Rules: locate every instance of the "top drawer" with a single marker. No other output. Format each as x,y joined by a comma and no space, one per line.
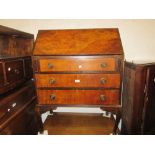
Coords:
77,64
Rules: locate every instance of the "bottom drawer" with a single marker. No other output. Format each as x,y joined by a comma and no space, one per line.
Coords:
86,97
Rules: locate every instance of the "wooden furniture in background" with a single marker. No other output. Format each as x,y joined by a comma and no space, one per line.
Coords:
15,43
17,93
17,111
14,72
138,108
78,68
15,58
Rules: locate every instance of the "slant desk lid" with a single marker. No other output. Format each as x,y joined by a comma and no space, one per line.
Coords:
78,42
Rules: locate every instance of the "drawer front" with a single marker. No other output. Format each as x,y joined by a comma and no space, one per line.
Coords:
14,70
13,102
85,97
22,124
28,68
1,75
77,64
78,80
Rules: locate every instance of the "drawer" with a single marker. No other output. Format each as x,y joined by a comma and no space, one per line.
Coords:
1,75
14,70
9,104
85,97
78,80
77,64
21,123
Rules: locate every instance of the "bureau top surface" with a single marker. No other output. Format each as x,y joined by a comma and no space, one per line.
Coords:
78,42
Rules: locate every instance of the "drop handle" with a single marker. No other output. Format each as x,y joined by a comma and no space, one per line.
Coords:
102,97
103,81
50,66
104,65
52,96
51,81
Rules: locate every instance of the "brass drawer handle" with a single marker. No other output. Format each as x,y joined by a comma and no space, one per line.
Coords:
51,81
102,97
104,65
103,81
52,97
50,66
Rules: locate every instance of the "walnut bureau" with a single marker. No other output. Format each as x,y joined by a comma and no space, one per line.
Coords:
78,67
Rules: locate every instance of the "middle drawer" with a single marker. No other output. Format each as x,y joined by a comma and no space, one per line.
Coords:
78,80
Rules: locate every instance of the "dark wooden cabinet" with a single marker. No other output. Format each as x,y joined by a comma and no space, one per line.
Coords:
17,111
15,58
1,75
78,68
14,43
17,91
14,72
138,105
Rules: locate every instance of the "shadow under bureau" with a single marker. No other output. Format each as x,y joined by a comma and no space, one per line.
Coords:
78,67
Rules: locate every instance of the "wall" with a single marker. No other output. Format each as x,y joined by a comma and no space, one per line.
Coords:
138,36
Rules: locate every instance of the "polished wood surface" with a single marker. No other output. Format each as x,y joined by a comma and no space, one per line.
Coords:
17,90
78,68
138,99
77,80
17,111
1,75
15,43
28,68
87,97
149,105
14,101
77,64
14,32
15,71
78,124
78,42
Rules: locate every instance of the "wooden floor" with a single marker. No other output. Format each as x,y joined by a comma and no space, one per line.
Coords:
78,124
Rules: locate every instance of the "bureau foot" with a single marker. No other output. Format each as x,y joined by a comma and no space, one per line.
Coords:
39,120
118,118
40,109
115,111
